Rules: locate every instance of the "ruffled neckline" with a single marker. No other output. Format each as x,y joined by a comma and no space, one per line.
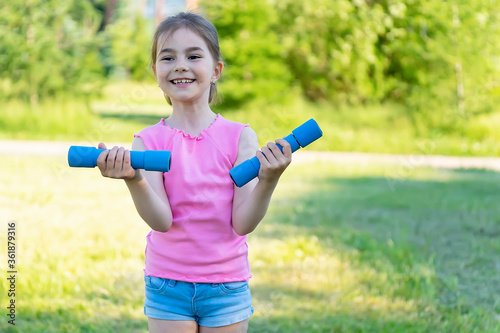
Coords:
187,135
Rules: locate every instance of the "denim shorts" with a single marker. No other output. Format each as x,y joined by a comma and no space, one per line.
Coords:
209,304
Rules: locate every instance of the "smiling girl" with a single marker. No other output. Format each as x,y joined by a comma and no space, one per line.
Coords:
196,269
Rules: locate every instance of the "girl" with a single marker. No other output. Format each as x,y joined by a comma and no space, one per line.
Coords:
197,268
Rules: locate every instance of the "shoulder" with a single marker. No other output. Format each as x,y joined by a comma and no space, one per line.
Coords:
248,136
138,144
247,145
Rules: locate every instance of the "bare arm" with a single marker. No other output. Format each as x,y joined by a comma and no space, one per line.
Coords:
146,187
251,201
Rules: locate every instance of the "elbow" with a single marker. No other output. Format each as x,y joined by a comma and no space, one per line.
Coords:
160,222
162,227
241,231
243,225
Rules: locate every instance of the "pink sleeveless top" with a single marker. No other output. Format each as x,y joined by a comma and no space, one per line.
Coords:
201,245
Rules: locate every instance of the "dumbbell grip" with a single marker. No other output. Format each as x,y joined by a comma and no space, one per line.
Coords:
300,137
150,160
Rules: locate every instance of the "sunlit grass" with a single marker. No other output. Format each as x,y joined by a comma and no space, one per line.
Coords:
339,251
127,107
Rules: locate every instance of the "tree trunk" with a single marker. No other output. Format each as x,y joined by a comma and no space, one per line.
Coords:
109,11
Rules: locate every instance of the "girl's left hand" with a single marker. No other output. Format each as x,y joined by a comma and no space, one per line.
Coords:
273,161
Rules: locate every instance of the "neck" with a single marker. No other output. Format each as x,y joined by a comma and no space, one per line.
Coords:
192,118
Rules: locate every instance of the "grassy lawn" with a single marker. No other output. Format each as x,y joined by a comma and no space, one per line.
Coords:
128,107
344,248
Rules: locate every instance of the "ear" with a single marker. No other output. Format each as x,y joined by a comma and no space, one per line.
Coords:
153,67
219,66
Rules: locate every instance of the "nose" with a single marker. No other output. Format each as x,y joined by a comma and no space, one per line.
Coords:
181,66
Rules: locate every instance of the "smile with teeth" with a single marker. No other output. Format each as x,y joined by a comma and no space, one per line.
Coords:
180,81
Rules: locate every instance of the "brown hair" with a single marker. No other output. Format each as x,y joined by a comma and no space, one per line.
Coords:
198,25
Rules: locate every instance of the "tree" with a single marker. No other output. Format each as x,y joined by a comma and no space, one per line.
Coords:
130,42
438,58
252,50
48,47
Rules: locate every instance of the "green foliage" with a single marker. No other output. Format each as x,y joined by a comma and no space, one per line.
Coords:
330,47
49,119
252,50
49,47
130,39
442,59
435,57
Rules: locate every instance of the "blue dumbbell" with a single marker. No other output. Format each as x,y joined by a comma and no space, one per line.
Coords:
150,160
300,137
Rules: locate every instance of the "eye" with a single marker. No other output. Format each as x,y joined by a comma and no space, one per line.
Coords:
167,58
194,57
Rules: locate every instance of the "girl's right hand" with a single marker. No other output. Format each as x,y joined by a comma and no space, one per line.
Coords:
115,163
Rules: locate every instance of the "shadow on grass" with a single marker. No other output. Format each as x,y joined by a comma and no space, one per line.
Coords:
303,318
449,226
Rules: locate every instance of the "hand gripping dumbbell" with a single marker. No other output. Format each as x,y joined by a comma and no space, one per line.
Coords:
150,160
300,137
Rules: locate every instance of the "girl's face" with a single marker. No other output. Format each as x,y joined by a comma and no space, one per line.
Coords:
184,67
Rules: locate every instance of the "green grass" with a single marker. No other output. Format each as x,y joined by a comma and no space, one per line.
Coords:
127,107
344,248
125,110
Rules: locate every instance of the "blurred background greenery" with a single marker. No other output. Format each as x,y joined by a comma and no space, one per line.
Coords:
382,76
349,247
